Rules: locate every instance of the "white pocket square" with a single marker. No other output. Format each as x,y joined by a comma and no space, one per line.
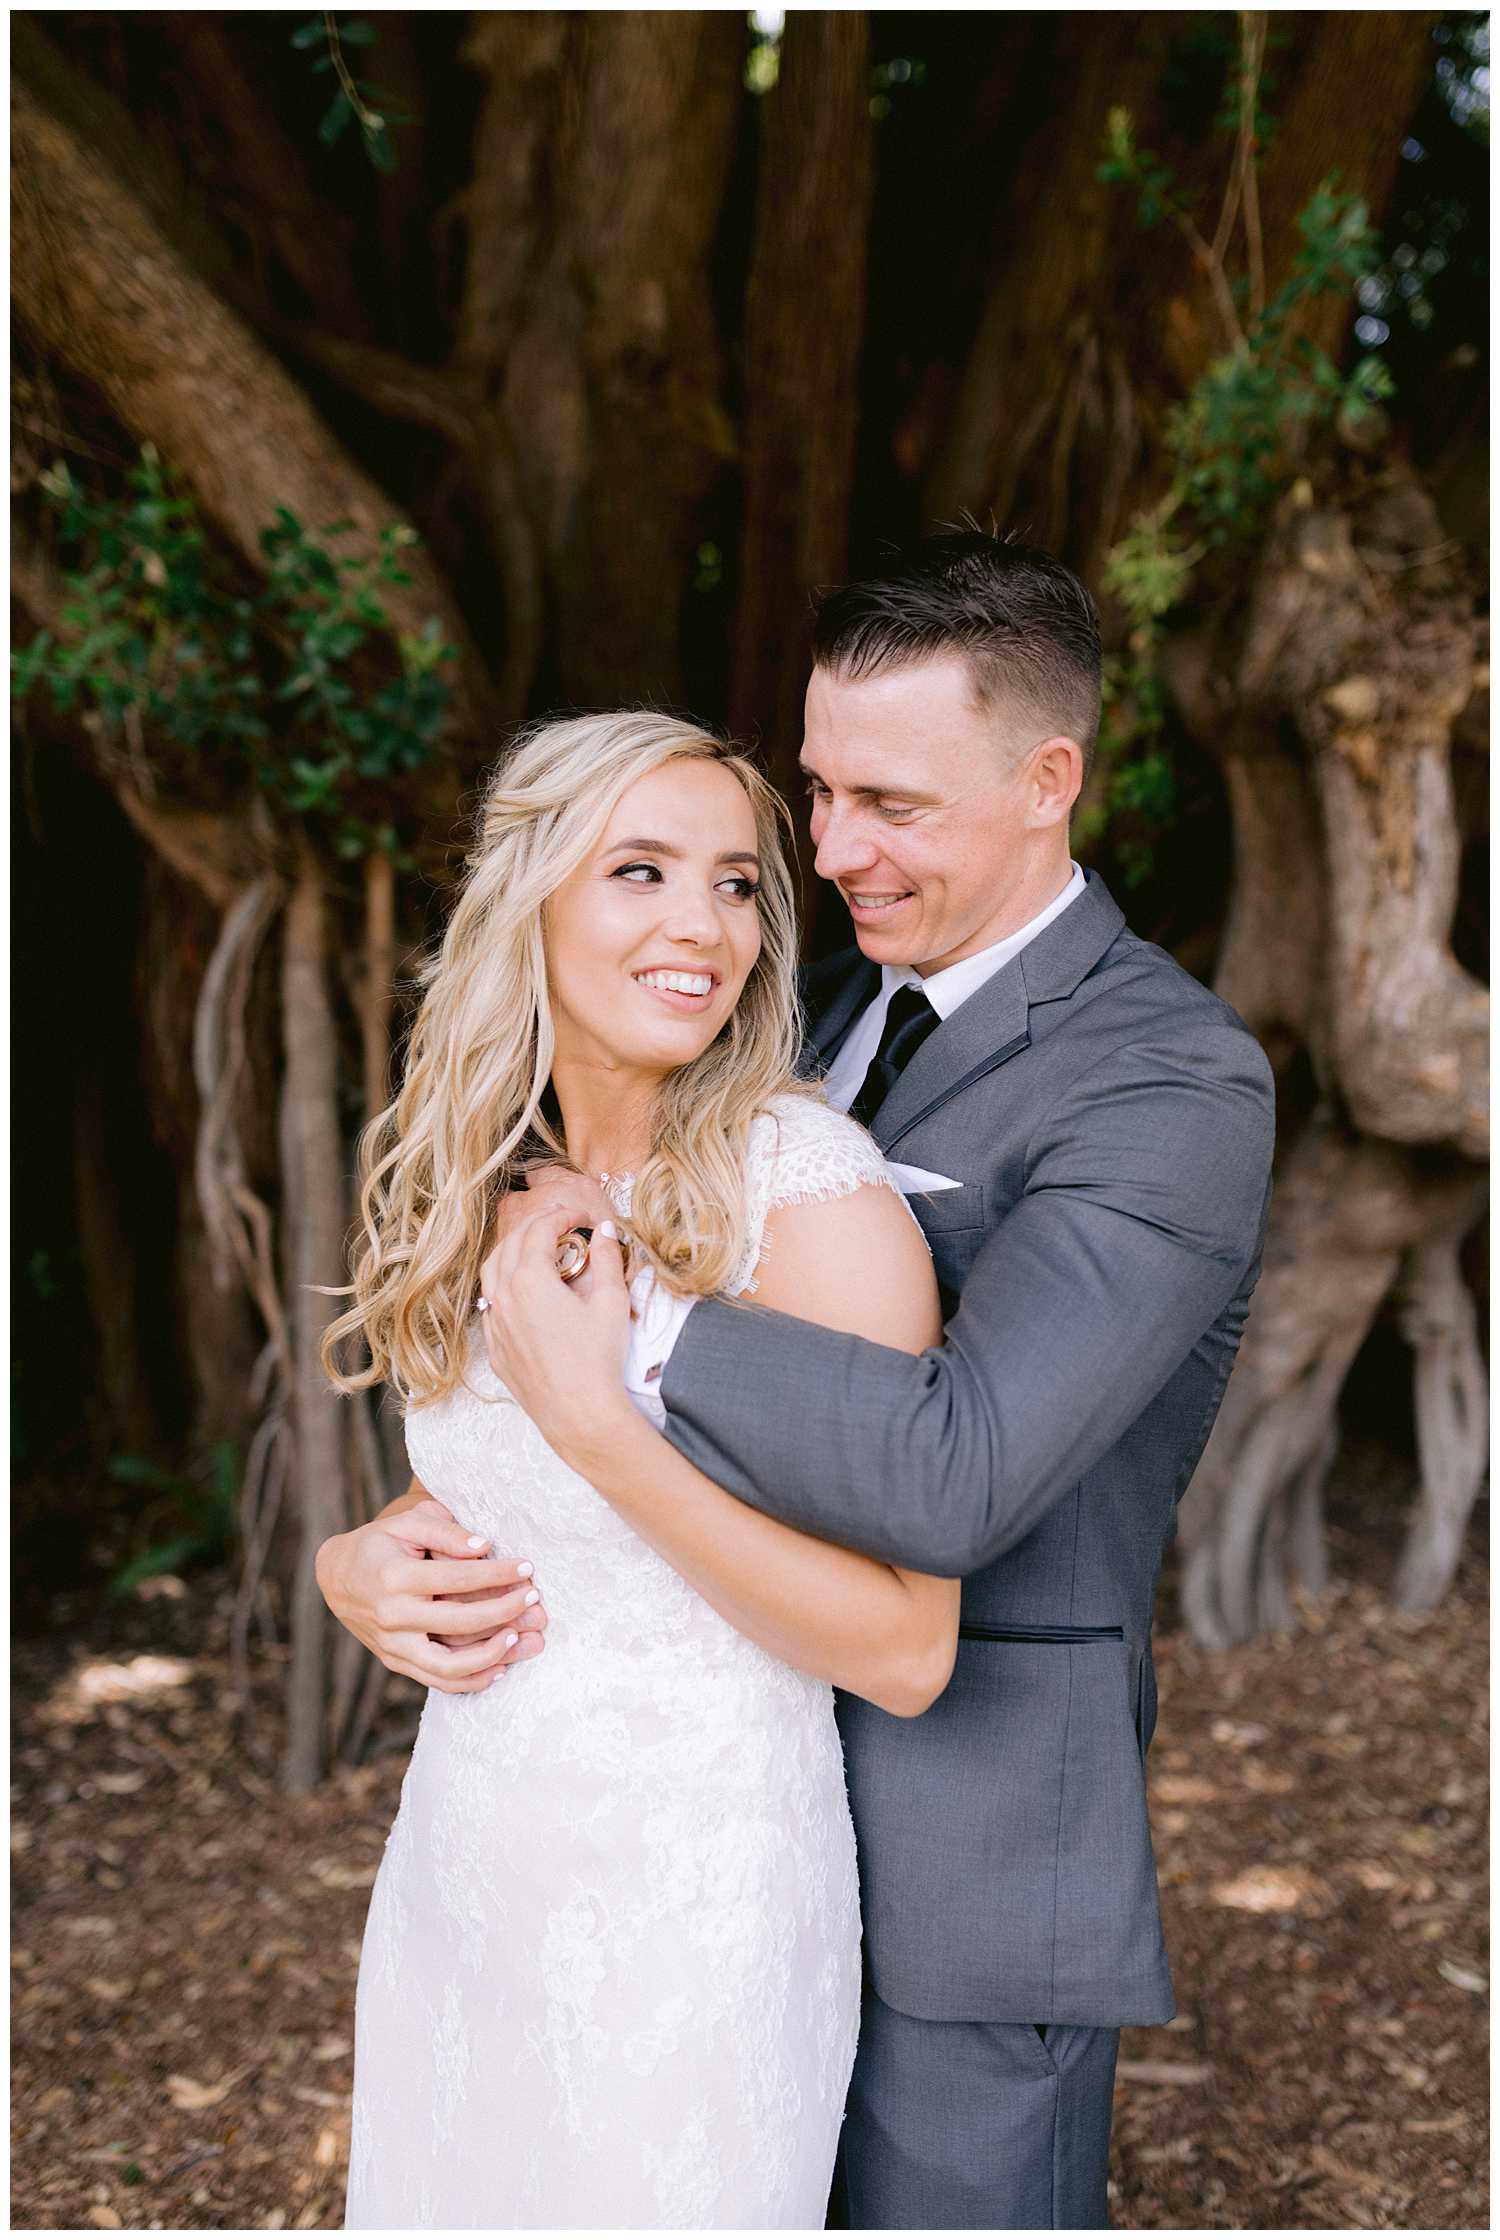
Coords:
912,1179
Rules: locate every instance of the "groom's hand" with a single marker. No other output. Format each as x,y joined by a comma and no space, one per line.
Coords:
559,1348
422,1599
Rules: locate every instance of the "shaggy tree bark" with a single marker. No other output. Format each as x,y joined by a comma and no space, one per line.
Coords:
1348,1211
584,393
1355,657
300,1438
1439,1323
1091,326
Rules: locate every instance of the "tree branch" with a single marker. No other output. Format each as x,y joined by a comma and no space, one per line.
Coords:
387,382
102,288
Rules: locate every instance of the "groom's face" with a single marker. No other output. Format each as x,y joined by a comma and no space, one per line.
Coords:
921,810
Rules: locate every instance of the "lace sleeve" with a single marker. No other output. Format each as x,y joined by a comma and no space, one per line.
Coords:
802,1150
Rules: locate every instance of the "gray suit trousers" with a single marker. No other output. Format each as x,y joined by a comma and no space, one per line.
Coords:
976,2126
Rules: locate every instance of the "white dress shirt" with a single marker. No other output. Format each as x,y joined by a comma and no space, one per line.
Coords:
944,990
658,1313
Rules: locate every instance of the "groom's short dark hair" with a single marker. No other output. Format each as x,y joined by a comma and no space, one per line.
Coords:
1024,624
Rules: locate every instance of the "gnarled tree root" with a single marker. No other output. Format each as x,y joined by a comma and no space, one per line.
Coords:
1438,1321
1348,1212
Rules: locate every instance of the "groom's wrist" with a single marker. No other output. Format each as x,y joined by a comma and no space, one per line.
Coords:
600,1435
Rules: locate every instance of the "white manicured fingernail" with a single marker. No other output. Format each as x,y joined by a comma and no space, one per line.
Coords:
525,1570
608,1229
511,1639
474,1541
530,1599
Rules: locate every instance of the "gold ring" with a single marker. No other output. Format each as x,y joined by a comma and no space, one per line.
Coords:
573,1254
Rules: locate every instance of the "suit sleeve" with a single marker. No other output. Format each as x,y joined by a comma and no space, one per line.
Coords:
1140,1221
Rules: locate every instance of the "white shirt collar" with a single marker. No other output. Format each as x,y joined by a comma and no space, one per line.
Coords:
947,989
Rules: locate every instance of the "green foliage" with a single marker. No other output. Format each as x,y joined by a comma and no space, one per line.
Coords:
1124,164
1463,71
763,55
203,1515
1232,444
329,612
141,619
355,100
305,689
39,1269
890,81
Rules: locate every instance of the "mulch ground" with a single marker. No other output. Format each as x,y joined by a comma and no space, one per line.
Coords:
187,1937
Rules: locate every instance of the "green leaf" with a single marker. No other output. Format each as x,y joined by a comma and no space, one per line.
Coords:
138,1470
310,34
336,117
165,1557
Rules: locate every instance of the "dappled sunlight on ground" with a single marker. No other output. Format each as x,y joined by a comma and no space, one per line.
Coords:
187,1937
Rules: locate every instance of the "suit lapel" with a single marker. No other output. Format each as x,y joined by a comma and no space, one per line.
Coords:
993,1026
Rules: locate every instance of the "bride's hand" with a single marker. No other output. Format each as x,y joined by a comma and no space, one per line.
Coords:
559,1348
576,1200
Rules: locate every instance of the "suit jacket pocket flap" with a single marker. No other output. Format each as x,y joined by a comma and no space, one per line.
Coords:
965,1208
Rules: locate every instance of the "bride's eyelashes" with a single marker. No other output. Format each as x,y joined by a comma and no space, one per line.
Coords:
748,889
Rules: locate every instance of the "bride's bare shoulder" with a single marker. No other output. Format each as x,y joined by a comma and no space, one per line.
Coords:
840,1246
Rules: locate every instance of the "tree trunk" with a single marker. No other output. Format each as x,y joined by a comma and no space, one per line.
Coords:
1045,429
587,320
1438,1322
1093,327
1332,698
376,980
811,221
585,390
313,1227
1346,1210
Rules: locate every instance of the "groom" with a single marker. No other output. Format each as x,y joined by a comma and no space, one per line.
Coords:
1086,1134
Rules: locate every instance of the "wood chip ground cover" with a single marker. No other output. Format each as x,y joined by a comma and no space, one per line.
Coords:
187,1938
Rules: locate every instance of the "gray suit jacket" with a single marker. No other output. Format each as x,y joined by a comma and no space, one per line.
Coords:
1111,1124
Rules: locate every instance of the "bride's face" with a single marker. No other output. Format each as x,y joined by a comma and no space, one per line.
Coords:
651,939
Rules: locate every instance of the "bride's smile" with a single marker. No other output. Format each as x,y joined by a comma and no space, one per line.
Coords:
651,940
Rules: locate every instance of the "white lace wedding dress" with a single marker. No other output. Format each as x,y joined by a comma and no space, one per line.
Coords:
610,1974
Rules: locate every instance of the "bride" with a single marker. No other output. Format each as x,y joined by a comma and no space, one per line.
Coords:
610,1974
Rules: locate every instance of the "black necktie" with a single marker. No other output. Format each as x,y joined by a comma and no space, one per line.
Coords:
909,1020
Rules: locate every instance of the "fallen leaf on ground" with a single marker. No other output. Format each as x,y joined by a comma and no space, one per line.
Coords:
336,1877
1362,2181
186,2092
1175,2150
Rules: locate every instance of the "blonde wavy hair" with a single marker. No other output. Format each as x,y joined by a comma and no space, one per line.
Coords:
469,1116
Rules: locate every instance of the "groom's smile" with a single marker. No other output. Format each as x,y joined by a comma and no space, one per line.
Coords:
940,820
